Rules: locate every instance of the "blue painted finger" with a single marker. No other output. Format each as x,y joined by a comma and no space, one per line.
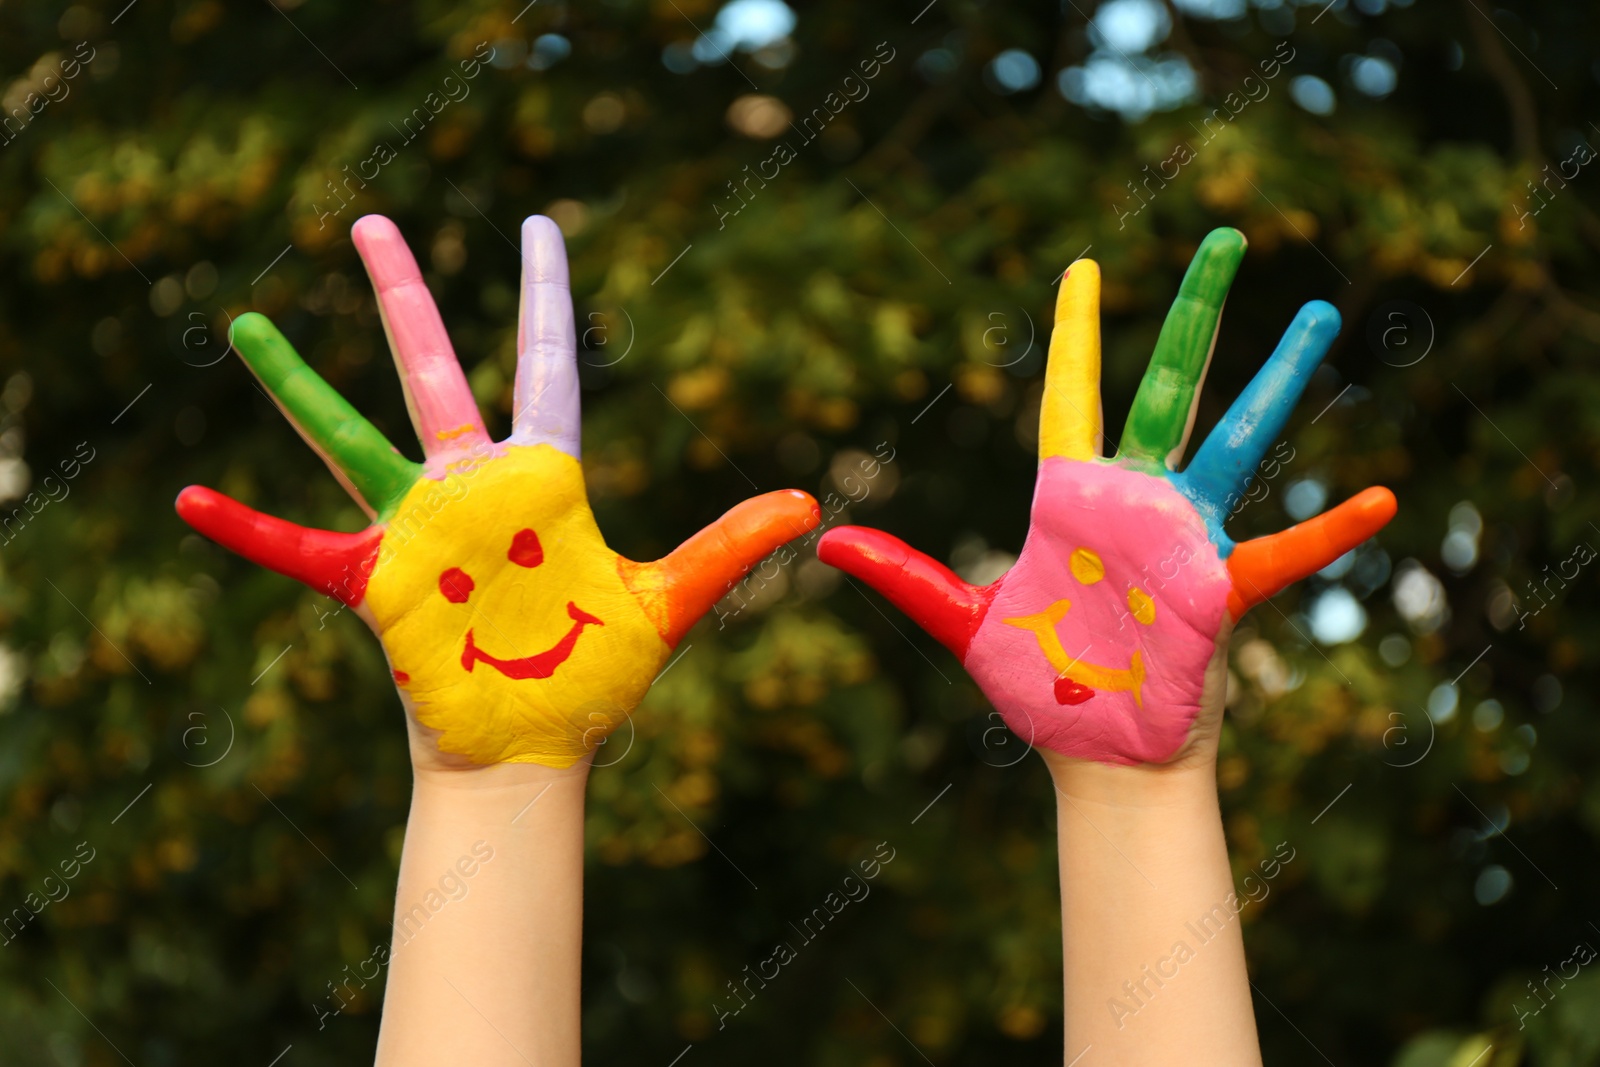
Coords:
1222,469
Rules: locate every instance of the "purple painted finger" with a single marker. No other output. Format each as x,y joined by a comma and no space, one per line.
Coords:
442,407
546,393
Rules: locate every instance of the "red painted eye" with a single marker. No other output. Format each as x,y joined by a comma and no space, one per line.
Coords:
456,585
525,549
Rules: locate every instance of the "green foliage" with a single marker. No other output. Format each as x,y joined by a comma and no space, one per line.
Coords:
190,174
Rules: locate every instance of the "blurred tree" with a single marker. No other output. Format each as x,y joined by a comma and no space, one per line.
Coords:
811,247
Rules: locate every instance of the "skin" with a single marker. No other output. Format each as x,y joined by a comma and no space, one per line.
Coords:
517,639
1142,858
494,977
1105,647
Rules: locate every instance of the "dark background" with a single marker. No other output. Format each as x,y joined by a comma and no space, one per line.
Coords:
881,290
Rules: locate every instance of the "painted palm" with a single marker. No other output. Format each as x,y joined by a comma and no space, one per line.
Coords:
1096,643
514,633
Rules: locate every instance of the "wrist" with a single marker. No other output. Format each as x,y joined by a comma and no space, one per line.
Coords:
1186,783
495,788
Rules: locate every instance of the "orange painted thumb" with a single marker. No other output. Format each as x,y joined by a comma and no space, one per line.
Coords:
680,588
1265,565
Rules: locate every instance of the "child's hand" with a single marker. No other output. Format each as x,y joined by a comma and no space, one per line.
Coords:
514,633
1097,643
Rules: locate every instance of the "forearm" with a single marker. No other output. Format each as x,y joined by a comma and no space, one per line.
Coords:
485,965
1154,960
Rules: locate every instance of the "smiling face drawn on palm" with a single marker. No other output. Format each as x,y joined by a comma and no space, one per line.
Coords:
1098,637
1095,643
510,603
506,618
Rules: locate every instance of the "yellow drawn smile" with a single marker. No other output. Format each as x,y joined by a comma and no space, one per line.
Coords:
1077,681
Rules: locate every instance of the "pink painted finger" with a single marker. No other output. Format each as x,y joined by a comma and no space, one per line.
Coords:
442,408
546,393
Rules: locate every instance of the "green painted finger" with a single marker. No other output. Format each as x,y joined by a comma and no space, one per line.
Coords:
1159,422
358,454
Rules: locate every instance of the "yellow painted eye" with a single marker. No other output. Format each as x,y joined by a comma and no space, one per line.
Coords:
1142,606
1086,566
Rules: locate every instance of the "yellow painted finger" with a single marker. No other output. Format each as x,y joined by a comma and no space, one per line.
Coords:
1069,418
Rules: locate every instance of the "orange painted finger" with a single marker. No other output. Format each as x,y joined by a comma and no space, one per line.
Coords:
681,587
1262,567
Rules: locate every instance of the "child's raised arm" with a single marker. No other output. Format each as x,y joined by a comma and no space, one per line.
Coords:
518,641
1105,646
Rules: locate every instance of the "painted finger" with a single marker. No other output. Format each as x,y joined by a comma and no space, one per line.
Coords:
1163,409
359,456
679,588
337,564
1227,459
442,408
1069,416
546,393
931,594
1262,567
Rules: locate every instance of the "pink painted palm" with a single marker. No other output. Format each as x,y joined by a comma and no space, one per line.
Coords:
1104,641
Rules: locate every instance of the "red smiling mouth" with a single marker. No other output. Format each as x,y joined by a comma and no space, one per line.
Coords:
542,665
